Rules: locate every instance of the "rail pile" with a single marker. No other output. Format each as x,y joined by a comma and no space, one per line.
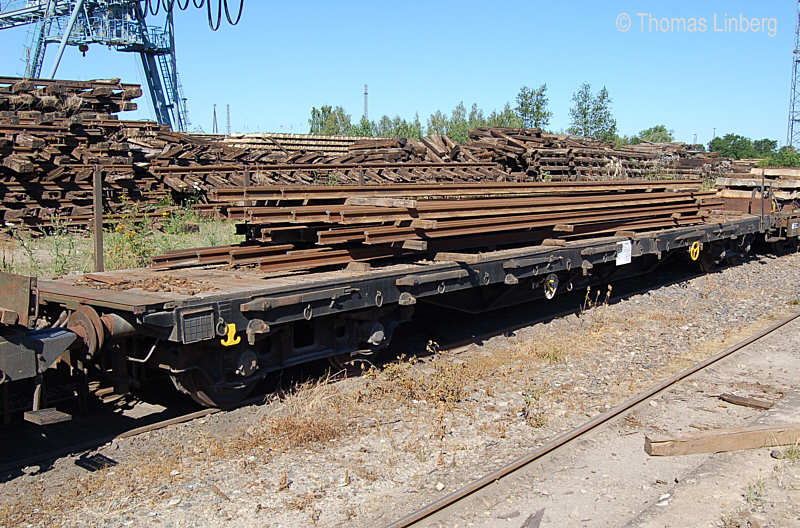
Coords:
370,161
288,143
305,227
531,154
743,191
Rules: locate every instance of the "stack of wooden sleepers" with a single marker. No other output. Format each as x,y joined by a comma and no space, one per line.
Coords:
366,161
53,135
305,227
743,191
531,154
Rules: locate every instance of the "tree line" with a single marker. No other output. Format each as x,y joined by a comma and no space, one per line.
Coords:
590,116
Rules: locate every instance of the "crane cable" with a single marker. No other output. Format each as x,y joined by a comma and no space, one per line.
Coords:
153,7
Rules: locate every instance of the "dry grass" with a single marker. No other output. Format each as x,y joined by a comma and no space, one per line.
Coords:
443,379
101,494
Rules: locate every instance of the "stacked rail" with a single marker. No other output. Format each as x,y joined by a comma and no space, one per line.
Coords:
534,154
305,227
289,143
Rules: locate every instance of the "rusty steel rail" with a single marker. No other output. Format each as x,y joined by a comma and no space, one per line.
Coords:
325,192
565,438
256,167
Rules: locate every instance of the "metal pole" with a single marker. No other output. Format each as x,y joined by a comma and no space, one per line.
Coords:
34,66
97,196
67,31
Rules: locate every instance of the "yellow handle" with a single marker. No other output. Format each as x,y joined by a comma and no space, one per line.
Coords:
231,338
694,250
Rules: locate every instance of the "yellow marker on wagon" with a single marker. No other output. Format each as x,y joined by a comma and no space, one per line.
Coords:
694,250
231,338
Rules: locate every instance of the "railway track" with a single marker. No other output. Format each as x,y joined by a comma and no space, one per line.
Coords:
442,505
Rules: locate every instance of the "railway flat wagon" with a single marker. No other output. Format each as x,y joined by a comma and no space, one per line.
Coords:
217,330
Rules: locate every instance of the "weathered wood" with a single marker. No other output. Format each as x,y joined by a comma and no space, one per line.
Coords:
745,402
554,242
416,245
776,172
467,258
720,440
46,416
756,183
382,202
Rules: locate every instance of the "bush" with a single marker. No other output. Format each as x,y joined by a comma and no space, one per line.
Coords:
785,157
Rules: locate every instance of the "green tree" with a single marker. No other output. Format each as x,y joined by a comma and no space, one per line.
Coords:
532,107
508,117
590,115
654,134
365,127
458,126
732,146
476,118
785,157
398,127
329,121
581,112
764,148
437,123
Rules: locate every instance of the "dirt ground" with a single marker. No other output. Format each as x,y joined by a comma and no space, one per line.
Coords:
607,479
367,450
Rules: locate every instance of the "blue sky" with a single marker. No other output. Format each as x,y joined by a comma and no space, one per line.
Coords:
285,57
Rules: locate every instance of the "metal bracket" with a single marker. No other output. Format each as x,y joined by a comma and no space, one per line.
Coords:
416,280
262,304
528,262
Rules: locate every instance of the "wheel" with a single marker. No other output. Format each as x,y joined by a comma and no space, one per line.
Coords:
206,393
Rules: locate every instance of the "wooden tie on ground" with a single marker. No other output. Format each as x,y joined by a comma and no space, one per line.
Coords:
717,441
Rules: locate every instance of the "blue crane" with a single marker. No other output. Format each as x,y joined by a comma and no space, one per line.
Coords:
118,24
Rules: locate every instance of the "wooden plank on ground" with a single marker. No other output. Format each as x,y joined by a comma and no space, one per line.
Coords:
720,440
745,402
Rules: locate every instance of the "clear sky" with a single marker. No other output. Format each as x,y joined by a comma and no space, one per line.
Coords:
285,57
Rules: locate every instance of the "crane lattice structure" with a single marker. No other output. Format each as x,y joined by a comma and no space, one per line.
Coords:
793,135
120,25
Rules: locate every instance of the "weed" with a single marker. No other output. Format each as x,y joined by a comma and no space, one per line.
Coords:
533,415
301,502
283,484
592,306
26,243
6,257
446,380
64,247
550,353
791,453
754,494
130,244
794,302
